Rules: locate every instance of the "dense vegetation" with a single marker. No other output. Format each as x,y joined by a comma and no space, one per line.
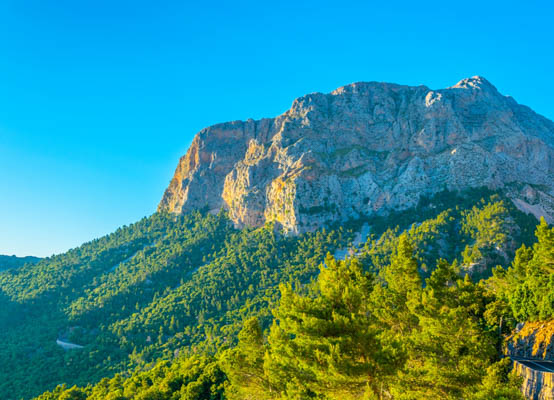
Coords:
151,290
525,291
8,262
191,308
380,336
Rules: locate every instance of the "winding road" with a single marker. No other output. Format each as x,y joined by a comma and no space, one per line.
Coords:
537,365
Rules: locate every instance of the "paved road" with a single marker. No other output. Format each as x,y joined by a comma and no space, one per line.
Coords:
67,345
543,366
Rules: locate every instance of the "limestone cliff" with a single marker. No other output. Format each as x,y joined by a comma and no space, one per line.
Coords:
367,148
536,385
533,340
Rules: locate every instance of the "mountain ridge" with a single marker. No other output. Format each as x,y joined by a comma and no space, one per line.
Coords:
7,262
366,148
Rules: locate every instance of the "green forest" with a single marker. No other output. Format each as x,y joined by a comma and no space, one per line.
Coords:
188,307
9,262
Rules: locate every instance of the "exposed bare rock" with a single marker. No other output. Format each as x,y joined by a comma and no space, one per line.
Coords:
537,385
367,148
533,340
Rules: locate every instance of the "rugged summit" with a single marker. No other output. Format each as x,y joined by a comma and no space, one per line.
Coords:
366,148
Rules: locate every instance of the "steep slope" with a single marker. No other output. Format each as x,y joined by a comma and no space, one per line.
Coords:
367,148
146,291
175,285
203,305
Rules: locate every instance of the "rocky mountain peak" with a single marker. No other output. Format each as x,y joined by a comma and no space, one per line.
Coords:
475,82
364,148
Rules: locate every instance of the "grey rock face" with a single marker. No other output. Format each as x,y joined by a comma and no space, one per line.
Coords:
367,148
537,385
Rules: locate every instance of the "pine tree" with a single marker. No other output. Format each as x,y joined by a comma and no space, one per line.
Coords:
499,383
243,364
529,283
329,346
400,280
449,349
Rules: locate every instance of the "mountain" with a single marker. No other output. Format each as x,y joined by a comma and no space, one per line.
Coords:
7,262
376,241
170,286
167,308
364,149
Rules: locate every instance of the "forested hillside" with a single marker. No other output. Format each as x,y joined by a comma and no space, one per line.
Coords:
173,293
146,291
7,262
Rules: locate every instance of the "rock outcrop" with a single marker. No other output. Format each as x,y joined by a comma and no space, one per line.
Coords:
532,340
367,148
536,385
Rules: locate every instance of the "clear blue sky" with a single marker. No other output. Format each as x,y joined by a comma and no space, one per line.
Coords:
98,99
